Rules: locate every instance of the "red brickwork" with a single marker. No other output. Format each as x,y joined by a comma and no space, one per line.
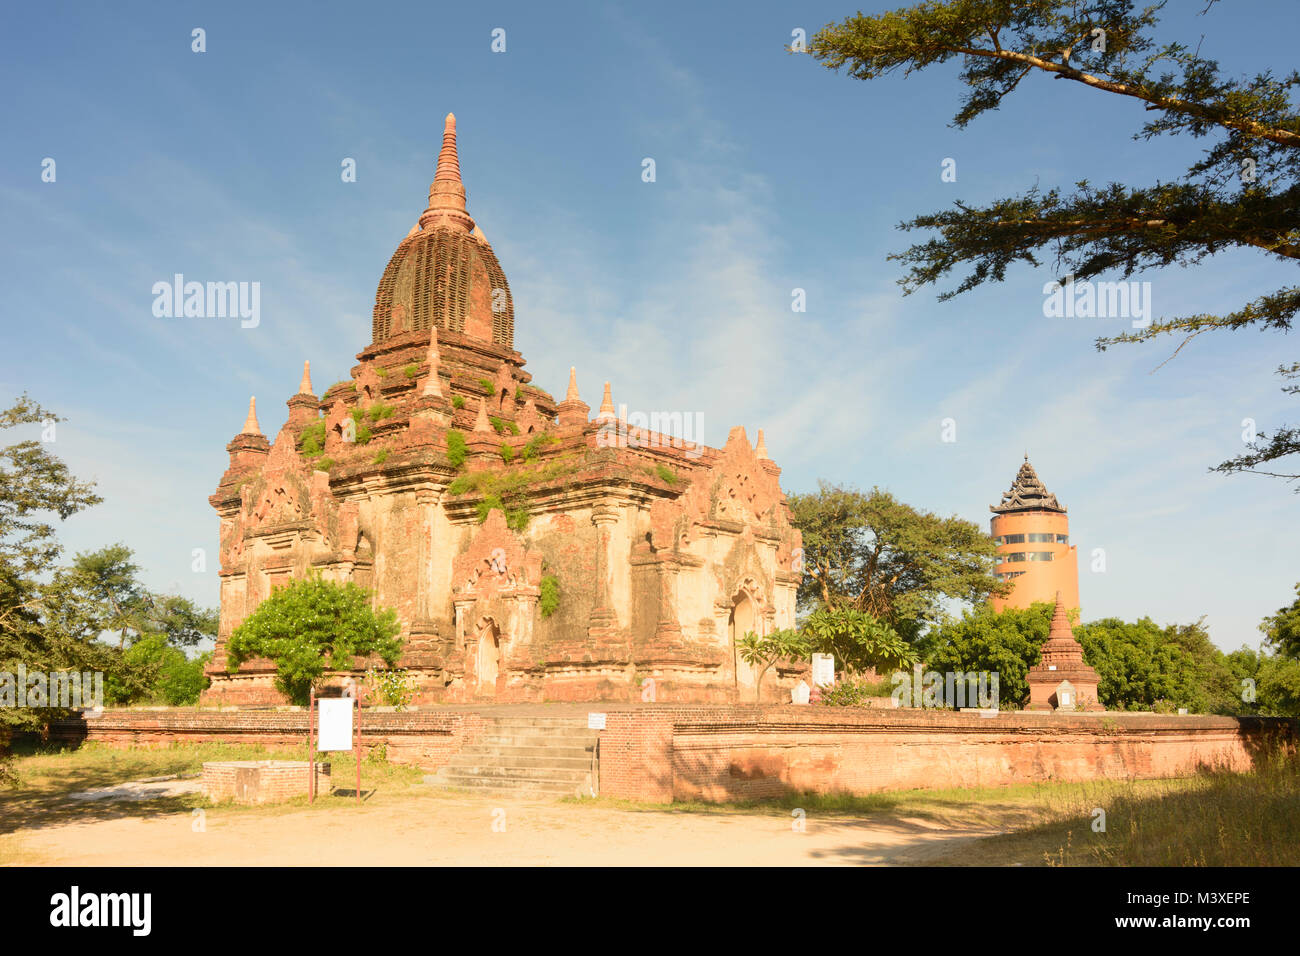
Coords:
261,781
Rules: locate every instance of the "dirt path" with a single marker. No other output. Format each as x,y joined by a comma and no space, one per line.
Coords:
438,829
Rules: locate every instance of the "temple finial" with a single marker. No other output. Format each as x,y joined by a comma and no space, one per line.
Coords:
250,424
304,387
760,450
572,394
606,405
446,192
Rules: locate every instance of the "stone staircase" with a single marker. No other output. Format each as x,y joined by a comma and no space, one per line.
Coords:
526,756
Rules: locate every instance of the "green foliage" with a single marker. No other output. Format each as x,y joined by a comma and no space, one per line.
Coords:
507,453
395,687
857,640
536,444
363,432
503,425
1006,643
519,393
346,383
875,554
310,626
765,652
157,672
380,410
856,692
381,372
666,474
1252,122
487,386
411,371
1282,630
324,464
508,490
311,441
549,602
457,402
380,457
456,448
1272,680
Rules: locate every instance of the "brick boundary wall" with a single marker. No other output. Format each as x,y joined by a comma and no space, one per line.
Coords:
261,781
661,753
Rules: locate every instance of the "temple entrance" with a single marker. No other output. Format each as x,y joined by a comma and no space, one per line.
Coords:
744,618
488,665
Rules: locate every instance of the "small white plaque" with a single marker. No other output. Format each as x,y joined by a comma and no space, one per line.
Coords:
335,727
823,670
595,721
800,694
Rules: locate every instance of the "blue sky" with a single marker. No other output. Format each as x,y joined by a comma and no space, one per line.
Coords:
772,174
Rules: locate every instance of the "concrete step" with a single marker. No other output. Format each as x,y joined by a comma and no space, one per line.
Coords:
565,774
488,751
537,740
463,759
512,786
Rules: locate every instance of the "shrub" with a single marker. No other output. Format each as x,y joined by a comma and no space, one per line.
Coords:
457,402
311,443
456,448
549,601
502,425
395,688
487,386
411,371
507,453
311,626
854,692
381,456
667,474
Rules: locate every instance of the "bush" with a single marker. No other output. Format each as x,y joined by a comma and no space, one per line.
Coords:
549,602
855,692
456,448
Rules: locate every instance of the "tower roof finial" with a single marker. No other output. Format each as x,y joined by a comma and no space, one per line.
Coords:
572,394
447,192
304,388
606,404
250,423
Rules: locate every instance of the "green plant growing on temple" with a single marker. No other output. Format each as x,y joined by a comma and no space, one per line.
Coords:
535,444
311,626
666,474
311,442
395,687
411,371
363,432
503,425
549,601
764,653
456,448
380,410
507,453
487,386
458,402
381,456
381,372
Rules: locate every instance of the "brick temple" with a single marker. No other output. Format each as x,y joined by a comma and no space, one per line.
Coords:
531,550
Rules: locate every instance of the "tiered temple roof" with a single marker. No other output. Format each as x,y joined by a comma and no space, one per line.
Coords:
1027,493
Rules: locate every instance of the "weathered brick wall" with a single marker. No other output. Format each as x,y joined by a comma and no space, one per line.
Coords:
717,754
424,739
660,752
261,781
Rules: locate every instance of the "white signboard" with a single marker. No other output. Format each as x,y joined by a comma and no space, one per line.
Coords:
800,694
335,730
823,670
595,721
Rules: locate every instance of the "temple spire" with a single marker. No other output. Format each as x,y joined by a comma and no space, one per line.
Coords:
304,387
250,424
481,423
760,450
572,394
606,404
446,192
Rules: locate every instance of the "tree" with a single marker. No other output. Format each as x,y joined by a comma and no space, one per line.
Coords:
1282,630
155,671
1244,192
1005,643
36,485
877,555
312,625
784,644
856,640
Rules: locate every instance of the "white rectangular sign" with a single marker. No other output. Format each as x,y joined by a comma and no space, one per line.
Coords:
823,670
335,728
595,721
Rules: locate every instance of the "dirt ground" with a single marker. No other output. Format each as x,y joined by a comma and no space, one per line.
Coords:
438,828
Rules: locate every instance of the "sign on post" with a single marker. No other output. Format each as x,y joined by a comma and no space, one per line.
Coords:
595,721
335,723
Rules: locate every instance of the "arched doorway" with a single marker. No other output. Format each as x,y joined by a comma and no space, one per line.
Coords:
488,664
743,618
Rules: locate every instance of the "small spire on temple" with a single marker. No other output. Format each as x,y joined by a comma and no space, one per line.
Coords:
250,424
606,404
304,387
572,394
481,424
760,450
